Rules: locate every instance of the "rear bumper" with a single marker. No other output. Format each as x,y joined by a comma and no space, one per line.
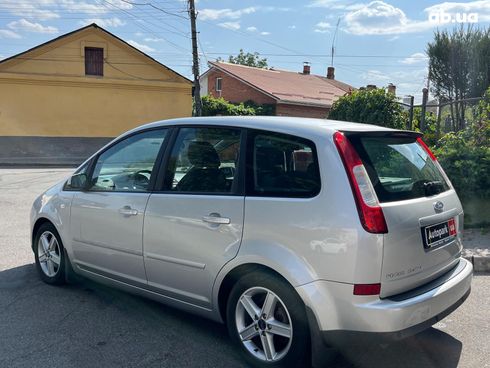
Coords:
335,314
341,337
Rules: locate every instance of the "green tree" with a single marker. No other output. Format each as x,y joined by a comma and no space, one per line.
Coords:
249,59
459,67
374,106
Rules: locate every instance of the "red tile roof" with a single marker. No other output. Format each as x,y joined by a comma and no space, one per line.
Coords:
286,86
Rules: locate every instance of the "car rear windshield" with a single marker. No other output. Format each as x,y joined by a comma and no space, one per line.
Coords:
399,168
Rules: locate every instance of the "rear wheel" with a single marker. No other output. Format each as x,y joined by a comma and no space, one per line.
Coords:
49,254
267,319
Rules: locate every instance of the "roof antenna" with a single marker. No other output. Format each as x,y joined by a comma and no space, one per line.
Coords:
333,41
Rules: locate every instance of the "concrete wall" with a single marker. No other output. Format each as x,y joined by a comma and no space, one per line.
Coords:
46,94
59,151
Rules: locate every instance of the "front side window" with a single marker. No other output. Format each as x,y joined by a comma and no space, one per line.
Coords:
282,166
218,84
204,160
129,164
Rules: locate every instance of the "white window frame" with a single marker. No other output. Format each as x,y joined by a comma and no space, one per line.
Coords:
219,81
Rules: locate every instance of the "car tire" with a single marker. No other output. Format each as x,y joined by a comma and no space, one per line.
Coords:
50,255
278,337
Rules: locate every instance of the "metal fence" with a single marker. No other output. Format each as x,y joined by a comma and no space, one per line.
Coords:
449,115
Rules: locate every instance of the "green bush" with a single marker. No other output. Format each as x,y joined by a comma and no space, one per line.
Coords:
465,157
374,106
430,131
219,106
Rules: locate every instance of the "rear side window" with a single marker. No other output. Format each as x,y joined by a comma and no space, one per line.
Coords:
204,160
399,168
281,165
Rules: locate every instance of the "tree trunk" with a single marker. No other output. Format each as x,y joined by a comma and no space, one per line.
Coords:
453,121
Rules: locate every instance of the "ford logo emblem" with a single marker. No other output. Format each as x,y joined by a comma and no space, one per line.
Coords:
438,206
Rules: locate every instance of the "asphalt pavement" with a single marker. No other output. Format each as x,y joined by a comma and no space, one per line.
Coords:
90,325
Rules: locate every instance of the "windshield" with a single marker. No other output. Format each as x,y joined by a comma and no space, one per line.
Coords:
399,168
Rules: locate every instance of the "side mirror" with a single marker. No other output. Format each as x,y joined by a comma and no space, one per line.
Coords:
77,181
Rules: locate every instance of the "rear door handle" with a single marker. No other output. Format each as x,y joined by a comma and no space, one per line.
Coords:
128,211
215,218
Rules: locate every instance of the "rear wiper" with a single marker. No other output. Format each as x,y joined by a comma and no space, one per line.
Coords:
433,187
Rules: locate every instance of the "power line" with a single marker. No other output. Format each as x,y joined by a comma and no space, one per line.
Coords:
144,28
157,8
323,55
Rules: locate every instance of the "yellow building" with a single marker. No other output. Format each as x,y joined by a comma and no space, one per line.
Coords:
63,99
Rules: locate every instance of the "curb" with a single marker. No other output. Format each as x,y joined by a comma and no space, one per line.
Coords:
479,257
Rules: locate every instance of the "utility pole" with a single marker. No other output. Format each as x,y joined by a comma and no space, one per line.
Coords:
195,60
425,98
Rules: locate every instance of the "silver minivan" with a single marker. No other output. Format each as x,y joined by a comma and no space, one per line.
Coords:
297,233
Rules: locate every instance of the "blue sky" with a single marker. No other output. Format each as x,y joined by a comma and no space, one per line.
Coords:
378,42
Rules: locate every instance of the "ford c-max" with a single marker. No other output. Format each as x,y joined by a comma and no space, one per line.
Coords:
294,232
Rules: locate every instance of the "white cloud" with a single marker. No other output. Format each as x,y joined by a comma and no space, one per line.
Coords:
215,14
30,9
94,8
140,46
378,18
265,33
406,81
394,38
416,58
292,26
375,77
230,25
323,27
6,33
104,22
153,39
322,3
252,29
334,5
26,26
481,8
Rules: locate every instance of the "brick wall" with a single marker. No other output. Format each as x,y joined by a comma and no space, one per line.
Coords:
302,111
234,90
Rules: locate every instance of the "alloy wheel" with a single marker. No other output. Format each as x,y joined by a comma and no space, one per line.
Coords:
263,324
49,253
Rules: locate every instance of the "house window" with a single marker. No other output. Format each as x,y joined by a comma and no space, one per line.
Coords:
218,84
94,61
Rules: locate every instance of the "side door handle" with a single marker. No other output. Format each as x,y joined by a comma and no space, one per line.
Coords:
215,218
128,211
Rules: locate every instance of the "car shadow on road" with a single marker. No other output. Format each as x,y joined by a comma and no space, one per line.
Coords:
88,324
431,348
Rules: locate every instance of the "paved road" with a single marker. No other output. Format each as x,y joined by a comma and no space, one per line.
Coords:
88,325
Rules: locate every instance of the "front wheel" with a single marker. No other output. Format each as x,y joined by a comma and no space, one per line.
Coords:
267,319
49,254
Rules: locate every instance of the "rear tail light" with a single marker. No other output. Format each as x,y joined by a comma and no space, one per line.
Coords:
370,212
434,159
367,289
